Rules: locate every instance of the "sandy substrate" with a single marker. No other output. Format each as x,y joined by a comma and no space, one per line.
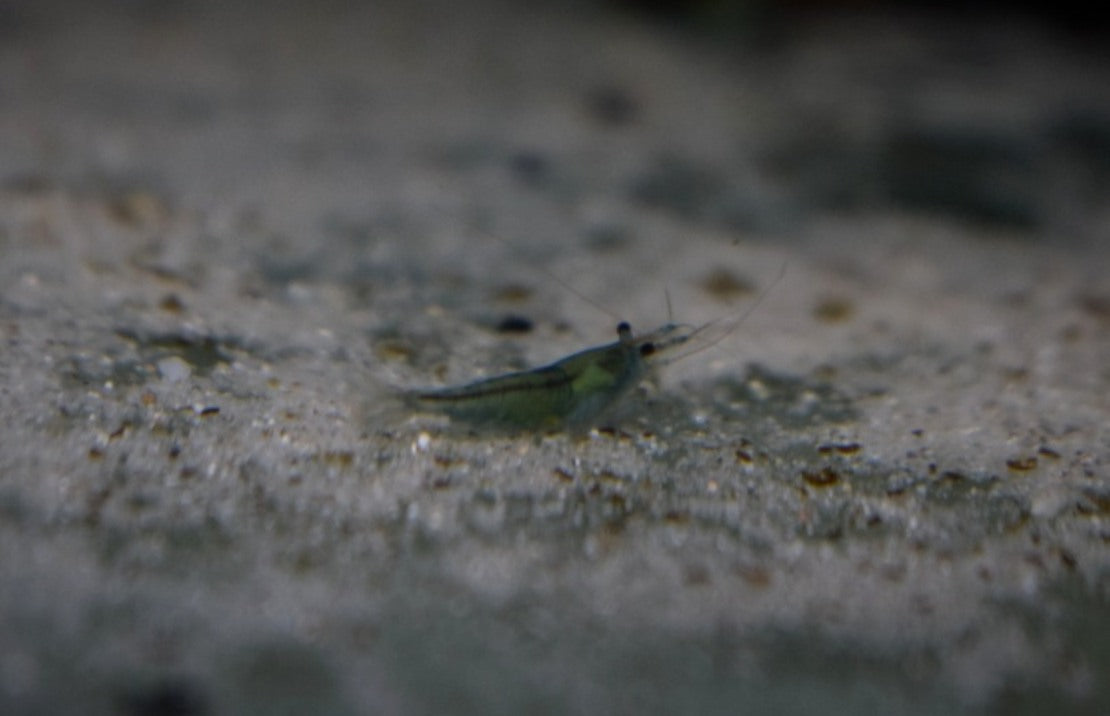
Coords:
230,233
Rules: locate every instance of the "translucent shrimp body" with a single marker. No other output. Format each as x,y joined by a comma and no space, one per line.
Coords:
569,393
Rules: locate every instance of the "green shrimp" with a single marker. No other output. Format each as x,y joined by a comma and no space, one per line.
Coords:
573,392
569,393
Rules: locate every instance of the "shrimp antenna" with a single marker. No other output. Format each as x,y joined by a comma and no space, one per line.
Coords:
551,276
731,327
548,274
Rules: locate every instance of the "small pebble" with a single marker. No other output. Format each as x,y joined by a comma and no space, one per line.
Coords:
174,369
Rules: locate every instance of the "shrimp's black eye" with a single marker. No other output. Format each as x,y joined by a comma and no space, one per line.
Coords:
647,349
623,327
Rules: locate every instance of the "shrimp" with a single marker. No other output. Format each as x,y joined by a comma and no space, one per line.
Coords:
571,392
574,391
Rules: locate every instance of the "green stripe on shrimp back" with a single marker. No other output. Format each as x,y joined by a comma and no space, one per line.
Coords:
568,393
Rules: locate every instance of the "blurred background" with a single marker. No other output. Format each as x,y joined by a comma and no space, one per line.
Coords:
231,229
